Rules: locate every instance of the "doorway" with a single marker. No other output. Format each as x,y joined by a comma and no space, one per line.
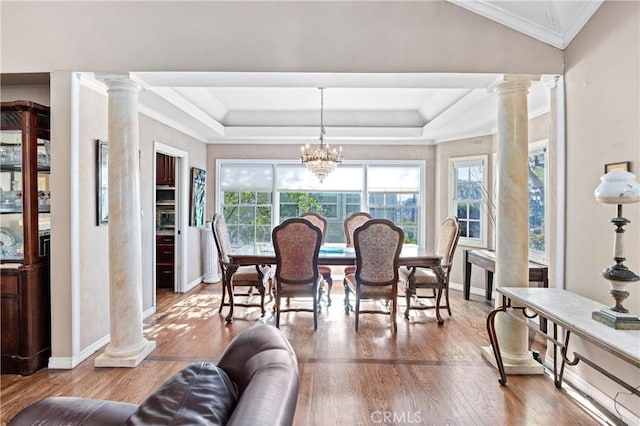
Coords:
170,201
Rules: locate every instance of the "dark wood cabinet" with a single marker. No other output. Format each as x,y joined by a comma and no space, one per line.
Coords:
165,253
165,169
25,300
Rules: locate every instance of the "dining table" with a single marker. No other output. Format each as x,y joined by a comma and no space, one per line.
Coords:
261,254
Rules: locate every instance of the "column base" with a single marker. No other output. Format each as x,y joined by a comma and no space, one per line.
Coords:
105,360
531,367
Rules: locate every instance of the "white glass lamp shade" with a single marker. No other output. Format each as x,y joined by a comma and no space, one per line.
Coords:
618,188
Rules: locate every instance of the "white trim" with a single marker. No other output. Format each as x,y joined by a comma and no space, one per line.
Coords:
193,283
147,313
74,220
560,189
68,363
484,218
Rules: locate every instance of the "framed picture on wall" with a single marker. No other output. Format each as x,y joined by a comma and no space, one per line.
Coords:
196,218
102,182
614,167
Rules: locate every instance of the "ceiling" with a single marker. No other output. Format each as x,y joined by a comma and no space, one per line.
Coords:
368,108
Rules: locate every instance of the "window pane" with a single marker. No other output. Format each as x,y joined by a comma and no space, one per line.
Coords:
537,201
461,211
376,199
247,215
474,211
247,198
263,234
287,211
246,234
230,214
463,228
263,198
231,197
474,229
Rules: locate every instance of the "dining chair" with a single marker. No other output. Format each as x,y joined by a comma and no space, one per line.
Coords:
377,243
350,224
426,278
296,242
248,277
325,271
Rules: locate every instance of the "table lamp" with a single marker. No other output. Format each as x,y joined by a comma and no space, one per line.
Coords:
618,187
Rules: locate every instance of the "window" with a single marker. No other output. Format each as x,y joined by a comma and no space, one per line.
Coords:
470,198
255,197
537,200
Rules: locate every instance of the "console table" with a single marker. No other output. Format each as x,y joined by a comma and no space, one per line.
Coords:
486,259
572,313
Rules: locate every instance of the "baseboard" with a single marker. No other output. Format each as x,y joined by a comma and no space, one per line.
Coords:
473,290
599,401
194,283
67,363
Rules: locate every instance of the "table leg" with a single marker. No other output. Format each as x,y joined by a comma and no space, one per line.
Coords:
489,284
467,276
493,339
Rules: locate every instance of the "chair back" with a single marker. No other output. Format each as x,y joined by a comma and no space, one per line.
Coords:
378,243
318,220
352,222
449,235
296,243
221,237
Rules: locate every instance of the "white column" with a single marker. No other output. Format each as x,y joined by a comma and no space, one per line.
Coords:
128,347
512,239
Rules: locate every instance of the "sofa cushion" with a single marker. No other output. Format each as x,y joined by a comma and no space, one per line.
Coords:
199,394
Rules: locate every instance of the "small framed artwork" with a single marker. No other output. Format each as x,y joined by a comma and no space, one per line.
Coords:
196,218
102,182
622,166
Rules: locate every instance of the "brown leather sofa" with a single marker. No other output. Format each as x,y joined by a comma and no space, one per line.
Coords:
254,383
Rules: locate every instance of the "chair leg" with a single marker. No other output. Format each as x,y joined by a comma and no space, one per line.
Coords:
277,308
407,293
315,311
394,308
224,292
346,298
446,295
329,281
357,310
261,289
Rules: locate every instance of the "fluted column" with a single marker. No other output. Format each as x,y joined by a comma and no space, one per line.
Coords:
128,347
512,236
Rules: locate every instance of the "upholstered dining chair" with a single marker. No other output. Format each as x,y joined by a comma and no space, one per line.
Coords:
377,243
247,277
350,224
296,242
426,278
325,271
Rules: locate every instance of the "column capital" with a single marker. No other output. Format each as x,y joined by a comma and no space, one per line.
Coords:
507,83
121,82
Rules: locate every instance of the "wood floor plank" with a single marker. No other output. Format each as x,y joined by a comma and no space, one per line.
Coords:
423,374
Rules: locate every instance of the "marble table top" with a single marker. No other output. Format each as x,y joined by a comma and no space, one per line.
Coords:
573,312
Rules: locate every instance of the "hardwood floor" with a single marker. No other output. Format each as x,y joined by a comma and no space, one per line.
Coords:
425,374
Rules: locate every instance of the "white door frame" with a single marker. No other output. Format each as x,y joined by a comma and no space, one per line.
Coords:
182,213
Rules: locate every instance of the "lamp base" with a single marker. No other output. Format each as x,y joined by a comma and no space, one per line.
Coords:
617,320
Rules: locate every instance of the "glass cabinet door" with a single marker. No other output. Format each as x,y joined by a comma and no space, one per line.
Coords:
11,199
44,196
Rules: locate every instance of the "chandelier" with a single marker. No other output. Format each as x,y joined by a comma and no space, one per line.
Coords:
321,161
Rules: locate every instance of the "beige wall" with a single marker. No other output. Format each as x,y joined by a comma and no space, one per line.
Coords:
418,36
603,126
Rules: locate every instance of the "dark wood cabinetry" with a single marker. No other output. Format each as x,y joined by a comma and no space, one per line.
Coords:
165,253
25,301
165,169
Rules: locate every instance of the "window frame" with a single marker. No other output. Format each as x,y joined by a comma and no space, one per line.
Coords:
484,205
275,198
534,147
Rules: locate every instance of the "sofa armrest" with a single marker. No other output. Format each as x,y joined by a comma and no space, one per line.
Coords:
263,366
62,410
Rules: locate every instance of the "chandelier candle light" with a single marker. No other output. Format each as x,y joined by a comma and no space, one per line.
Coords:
323,160
618,187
